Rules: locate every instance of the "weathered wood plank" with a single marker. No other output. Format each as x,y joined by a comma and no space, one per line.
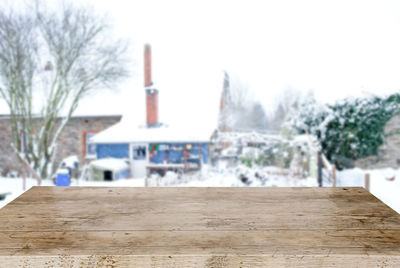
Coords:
193,193
198,227
190,222
192,261
155,242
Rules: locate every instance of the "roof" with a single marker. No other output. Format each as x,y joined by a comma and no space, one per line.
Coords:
124,132
193,113
110,164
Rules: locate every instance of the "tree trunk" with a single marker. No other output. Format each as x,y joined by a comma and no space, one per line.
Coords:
33,172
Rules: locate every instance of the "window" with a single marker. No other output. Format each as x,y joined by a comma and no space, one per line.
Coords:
139,152
88,149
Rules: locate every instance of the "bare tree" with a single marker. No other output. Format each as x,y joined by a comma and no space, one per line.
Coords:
48,61
241,111
241,94
287,102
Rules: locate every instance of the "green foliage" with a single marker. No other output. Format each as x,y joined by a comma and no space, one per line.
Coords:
261,160
247,160
274,153
350,129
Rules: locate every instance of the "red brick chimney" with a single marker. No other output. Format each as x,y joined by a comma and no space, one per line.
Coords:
151,93
147,66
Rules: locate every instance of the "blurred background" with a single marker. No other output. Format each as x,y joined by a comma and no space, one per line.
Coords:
200,93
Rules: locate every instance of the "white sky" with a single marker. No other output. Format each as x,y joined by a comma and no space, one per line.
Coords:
337,48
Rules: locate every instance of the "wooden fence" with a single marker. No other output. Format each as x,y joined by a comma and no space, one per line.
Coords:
332,171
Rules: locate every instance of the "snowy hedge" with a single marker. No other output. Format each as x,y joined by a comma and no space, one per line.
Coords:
349,129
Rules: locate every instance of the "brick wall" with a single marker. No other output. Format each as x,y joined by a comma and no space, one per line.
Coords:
71,141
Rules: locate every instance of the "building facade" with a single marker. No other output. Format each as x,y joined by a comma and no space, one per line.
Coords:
73,140
154,146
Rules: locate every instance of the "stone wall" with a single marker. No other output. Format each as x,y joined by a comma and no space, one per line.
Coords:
389,155
71,141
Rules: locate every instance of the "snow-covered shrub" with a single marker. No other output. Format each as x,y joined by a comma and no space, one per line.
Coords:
274,152
258,150
277,153
248,159
304,159
261,159
349,129
280,152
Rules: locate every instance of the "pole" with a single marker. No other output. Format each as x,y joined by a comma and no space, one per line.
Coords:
319,169
334,176
24,177
367,181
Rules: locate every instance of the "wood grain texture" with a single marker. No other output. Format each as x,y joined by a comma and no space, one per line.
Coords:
198,227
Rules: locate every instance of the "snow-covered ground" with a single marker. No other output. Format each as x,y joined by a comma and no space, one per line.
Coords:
381,186
384,183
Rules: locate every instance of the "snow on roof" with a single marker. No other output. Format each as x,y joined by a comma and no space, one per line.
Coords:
125,132
192,111
110,164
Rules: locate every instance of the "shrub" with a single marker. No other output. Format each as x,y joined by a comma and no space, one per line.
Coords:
350,129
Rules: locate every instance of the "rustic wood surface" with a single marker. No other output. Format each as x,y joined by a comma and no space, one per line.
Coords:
198,227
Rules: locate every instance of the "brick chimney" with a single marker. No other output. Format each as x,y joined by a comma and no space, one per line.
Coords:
151,93
147,66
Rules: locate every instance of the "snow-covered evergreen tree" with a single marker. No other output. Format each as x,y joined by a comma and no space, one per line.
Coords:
350,129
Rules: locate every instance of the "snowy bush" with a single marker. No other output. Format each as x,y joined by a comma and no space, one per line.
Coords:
247,159
257,150
274,152
349,129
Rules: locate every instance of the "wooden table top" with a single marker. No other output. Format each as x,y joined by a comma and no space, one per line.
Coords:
198,227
